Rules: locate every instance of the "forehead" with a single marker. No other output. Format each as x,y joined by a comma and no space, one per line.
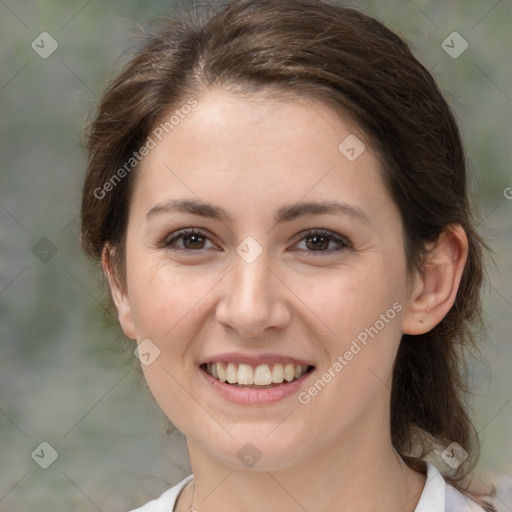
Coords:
255,148
225,118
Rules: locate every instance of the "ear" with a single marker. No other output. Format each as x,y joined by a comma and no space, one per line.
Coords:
434,292
119,295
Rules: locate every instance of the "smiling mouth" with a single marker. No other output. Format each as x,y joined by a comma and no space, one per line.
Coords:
262,376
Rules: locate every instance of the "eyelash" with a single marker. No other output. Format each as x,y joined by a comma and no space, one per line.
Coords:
342,244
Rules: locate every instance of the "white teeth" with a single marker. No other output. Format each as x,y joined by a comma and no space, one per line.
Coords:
289,372
246,375
278,373
221,371
261,375
231,373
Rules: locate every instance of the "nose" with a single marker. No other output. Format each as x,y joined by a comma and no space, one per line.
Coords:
254,299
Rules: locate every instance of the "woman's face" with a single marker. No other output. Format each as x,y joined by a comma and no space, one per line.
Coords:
295,268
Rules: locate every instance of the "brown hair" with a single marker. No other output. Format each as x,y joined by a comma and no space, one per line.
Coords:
354,63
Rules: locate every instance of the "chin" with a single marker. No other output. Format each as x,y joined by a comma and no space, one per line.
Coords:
251,450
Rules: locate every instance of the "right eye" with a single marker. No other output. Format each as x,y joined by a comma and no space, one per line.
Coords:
187,240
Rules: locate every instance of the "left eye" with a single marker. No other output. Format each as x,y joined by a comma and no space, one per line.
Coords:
322,241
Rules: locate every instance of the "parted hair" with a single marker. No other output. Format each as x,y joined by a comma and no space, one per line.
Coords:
353,63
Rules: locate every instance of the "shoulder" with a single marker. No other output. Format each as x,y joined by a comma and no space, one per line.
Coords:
458,502
166,501
439,496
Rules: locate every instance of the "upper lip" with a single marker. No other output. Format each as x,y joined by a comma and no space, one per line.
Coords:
238,358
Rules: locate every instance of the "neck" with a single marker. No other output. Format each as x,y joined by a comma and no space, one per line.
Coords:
353,477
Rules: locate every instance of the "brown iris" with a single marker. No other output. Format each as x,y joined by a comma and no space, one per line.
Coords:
194,241
318,242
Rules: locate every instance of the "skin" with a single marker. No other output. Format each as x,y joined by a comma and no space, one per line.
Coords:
250,157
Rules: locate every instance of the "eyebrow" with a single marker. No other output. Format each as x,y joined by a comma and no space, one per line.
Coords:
291,212
193,206
286,213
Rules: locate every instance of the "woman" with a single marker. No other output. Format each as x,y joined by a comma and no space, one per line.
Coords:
278,195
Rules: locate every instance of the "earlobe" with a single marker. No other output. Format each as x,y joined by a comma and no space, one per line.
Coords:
434,292
119,296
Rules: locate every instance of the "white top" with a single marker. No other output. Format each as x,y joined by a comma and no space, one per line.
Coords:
437,496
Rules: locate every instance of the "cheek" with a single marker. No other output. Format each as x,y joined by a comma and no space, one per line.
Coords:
163,296
350,298
167,305
361,307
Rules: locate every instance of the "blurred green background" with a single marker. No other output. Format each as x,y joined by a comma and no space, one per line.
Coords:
66,376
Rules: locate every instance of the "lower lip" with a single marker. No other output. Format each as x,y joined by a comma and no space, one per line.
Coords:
252,396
